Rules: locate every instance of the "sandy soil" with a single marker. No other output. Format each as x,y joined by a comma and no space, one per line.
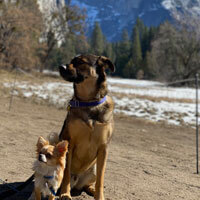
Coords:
147,161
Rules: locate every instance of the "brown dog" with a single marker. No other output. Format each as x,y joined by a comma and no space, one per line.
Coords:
88,126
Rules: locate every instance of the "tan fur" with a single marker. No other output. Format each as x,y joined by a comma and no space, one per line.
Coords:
51,162
88,129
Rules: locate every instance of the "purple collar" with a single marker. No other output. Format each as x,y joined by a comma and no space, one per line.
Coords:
78,104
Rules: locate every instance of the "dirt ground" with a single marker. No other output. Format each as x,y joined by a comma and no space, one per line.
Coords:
147,161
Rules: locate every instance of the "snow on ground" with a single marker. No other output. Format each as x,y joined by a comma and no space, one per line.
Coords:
135,83
56,93
173,93
172,110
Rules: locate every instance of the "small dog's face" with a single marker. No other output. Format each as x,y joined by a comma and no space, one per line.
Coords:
51,155
85,67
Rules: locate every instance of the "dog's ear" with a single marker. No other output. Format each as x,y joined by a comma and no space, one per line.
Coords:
62,147
41,142
104,63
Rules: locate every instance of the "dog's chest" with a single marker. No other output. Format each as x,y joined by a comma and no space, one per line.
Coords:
46,183
81,133
87,142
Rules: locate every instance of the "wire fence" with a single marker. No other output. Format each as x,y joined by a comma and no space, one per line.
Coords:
196,81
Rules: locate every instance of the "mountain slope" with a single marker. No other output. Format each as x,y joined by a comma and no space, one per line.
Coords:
114,16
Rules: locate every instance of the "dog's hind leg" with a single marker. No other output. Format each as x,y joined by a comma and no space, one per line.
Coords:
87,180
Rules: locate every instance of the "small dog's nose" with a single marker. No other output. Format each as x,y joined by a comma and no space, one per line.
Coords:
40,157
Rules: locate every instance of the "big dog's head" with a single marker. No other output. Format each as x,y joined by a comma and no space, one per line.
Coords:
87,72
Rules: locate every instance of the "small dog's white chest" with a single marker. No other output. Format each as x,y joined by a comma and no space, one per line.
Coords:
45,185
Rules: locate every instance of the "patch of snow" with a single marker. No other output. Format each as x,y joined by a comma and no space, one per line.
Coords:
59,93
168,4
49,72
149,88
28,94
133,82
196,9
156,92
174,113
141,14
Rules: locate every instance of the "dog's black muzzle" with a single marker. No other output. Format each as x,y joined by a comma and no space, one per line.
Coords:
42,158
70,75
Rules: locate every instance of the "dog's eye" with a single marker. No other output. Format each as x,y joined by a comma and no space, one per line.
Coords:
48,155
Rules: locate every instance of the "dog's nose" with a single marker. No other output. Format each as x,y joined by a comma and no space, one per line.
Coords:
63,67
42,158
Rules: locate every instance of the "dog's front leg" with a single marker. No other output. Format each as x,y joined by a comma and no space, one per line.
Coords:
65,187
101,165
37,193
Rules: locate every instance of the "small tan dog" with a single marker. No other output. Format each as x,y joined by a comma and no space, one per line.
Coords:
49,168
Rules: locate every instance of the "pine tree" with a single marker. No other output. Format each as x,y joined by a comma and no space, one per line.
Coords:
122,50
109,52
140,26
125,44
136,48
145,42
97,40
129,70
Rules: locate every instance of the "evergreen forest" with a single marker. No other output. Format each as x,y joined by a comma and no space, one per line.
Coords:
32,41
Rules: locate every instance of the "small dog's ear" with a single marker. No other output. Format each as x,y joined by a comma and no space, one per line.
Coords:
62,147
41,142
105,63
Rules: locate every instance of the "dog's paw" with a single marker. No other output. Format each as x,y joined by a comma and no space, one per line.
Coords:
65,197
90,190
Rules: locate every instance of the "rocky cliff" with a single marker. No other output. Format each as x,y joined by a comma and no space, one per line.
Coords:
116,15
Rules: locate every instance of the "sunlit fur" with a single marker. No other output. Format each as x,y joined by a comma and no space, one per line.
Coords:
88,129
53,165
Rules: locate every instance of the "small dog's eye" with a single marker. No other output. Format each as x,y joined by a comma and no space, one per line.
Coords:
48,155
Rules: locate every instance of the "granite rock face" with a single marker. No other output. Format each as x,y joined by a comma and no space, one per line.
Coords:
114,16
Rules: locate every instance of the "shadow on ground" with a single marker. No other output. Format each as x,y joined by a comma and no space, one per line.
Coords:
23,190
8,192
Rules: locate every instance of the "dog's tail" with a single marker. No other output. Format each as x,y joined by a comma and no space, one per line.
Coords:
53,138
